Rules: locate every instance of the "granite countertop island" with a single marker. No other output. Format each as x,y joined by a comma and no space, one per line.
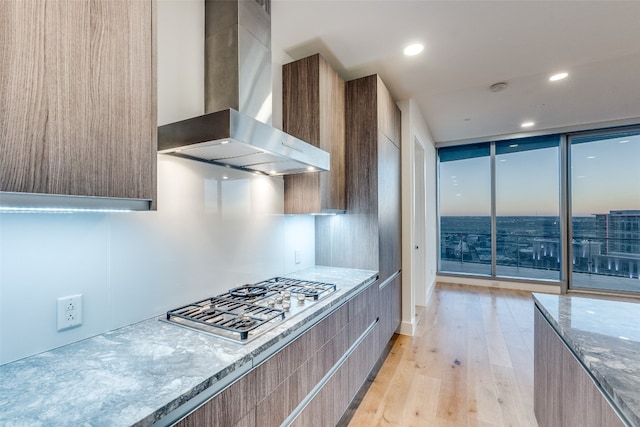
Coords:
149,372
605,336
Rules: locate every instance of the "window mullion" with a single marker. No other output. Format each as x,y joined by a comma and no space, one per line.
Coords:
494,239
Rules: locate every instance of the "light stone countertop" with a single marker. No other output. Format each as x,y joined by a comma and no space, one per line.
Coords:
605,336
143,373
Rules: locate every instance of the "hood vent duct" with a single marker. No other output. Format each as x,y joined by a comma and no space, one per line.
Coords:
236,128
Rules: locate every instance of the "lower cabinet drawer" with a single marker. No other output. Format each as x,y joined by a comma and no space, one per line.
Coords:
233,406
332,400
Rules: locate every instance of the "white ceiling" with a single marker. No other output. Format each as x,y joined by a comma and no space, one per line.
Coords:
473,44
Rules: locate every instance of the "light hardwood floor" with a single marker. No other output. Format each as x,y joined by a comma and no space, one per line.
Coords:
469,364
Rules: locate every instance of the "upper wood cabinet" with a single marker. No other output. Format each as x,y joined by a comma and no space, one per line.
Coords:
313,110
78,98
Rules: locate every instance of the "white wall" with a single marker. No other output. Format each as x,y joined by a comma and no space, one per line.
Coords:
208,233
415,128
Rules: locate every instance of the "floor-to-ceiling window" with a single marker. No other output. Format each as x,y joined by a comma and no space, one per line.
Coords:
465,209
528,208
505,209
605,210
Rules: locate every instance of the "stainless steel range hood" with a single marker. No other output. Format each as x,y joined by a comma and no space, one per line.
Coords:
230,138
236,130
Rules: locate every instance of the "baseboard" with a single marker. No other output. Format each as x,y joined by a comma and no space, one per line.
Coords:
430,291
502,284
407,328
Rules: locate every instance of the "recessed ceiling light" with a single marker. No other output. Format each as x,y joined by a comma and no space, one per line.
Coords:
498,87
225,177
527,124
413,49
624,141
558,76
591,157
513,145
310,168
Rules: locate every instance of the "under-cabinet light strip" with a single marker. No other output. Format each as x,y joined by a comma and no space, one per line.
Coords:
9,209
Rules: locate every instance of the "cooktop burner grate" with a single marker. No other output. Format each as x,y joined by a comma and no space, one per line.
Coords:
245,312
248,291
313,290
232,316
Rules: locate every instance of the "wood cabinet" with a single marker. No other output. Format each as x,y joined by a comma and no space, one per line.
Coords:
390,310
331,401
313,110
389,221
286,378
233,406
78,104
564,392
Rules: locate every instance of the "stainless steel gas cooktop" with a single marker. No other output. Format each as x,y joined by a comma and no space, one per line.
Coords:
246,312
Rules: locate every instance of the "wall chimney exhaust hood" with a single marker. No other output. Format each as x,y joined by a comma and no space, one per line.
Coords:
230,138
236,129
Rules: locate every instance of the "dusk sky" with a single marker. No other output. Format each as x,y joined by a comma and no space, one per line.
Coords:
605,176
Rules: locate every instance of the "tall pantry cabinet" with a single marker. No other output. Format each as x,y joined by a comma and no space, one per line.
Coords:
78,98
373,156
368,235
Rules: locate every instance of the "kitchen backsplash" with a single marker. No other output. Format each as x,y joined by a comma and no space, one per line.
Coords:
209,233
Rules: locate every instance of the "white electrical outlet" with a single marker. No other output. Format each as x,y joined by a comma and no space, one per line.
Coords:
297,256
69,312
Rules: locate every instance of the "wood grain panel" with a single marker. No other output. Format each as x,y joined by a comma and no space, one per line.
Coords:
388,114
332,136
328,406
302,193
547,363
362,146
363,310
389,206
275,370
287,377
78,97
564,393
390,311
232,406
313,110
349,241
276,407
